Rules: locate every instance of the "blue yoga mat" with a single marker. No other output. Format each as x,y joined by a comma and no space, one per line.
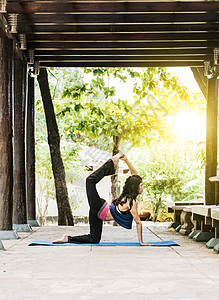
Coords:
106,244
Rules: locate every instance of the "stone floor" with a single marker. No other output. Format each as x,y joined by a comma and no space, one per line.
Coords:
190,271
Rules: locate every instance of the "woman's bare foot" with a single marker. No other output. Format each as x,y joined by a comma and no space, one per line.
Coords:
64,239
116,158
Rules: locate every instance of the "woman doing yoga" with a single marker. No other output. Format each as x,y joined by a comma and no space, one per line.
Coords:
123,209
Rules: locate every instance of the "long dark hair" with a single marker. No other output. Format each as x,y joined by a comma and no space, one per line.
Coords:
130,190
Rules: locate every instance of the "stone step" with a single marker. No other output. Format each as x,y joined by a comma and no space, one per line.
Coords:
211,243
203,236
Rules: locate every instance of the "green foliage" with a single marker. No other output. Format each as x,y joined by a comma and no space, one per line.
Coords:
97,112
166,169
63,77
194,190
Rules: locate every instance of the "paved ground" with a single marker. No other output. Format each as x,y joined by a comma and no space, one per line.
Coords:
190,271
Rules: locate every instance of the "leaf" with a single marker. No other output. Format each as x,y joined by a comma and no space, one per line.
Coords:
190,198
77,107
98,72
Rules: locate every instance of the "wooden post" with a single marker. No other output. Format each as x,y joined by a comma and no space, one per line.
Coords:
6,158
201,79
211,139
30,150
19,196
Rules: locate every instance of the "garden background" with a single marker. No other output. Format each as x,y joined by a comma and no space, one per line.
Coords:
146,113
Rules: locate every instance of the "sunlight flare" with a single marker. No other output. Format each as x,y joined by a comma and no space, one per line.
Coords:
190,126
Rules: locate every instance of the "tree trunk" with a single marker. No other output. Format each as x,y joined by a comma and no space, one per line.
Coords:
64,210
6,158
114,178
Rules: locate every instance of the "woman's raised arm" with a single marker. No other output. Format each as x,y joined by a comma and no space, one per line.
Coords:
129,164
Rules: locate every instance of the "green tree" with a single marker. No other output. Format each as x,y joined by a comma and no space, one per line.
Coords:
97,112
166,169
99,93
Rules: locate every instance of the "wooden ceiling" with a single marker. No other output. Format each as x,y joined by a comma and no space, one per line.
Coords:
107,33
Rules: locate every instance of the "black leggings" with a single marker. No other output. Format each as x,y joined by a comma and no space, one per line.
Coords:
95,203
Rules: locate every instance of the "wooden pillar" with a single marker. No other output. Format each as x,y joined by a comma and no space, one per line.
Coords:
201,79
30,150
6,158
211,139
19,196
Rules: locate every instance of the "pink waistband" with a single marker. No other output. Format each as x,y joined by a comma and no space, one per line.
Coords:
104,212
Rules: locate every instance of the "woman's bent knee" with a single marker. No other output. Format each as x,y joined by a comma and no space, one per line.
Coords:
90,180
96,240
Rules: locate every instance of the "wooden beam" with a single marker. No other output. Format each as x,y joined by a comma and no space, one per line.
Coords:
139,52
123,45
183,27
124,57
118,18
119,28
211,139
132,6
6,158
125,37
2,27
119,63
30,150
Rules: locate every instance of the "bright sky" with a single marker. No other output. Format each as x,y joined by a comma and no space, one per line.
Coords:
186,77
188,126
